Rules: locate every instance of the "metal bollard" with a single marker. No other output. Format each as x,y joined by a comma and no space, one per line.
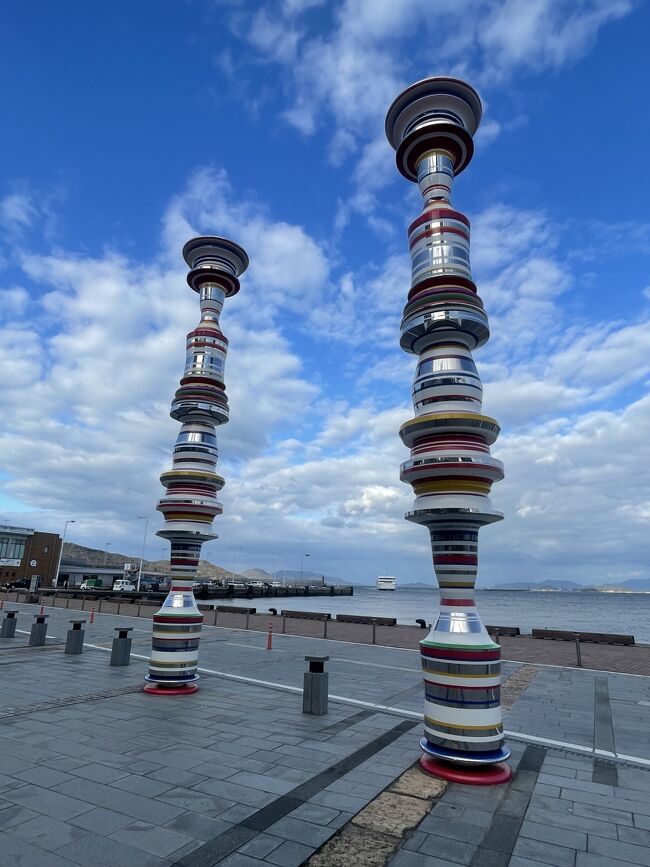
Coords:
421,623
578,651
121,650
38,633
74,641
8,628
315,686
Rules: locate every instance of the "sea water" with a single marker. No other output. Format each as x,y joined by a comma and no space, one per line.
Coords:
585,611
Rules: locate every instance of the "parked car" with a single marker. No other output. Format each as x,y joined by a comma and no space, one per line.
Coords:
124,585
18,584
91,584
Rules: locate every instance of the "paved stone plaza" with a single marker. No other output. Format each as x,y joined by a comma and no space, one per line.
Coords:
94,772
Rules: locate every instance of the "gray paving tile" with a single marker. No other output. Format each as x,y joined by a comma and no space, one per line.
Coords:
101,821
617,849
552,834
556,856
350,803
301,832
261,845
197,801
593,811
234,792
262,782
152,838
99,773
588,859
289,854
177,777
198,826
137,806
634,835
47,833
447,848
93,851
15,852
315,813
142,785
48,801
237,859
42,776
13,814
573,822
405,858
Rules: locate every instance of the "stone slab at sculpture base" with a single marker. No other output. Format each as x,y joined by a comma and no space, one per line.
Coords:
488,775
158,689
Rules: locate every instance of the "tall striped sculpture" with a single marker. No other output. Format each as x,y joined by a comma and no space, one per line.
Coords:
430,125
190,502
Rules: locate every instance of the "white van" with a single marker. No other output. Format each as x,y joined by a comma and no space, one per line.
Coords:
124,585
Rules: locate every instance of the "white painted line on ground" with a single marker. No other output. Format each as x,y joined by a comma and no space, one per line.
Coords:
398,711
576,748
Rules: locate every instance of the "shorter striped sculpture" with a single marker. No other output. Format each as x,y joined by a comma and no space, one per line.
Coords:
190,502
431,127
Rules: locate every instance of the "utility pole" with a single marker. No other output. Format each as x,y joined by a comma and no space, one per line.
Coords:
58,565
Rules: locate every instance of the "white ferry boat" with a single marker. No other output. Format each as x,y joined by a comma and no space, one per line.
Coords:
385,582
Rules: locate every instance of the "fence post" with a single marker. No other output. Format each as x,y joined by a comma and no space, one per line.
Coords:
578,651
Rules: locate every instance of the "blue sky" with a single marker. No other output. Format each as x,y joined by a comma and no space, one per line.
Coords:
131,126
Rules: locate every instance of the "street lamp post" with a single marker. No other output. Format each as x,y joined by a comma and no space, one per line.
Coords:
144,542
302,560
108,544
58,565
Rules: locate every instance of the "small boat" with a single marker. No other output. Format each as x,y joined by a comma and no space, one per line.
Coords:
386,582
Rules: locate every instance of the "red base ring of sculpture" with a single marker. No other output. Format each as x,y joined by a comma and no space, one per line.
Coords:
492,775
155,689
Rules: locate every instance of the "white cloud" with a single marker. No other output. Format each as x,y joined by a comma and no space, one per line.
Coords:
345,79
17,212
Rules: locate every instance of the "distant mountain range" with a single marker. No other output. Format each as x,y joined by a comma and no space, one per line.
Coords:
631,585
78,555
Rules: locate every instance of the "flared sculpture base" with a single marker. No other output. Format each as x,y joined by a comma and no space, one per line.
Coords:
480,775
175,689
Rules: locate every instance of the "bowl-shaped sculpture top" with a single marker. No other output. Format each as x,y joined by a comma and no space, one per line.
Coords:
211,251
433,114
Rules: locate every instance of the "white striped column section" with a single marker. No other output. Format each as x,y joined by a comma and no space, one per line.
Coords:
430,125
190,502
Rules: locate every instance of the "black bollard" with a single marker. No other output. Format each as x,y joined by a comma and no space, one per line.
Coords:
74,641
315,686
273,611
421,623
8,628
38,633
121,650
